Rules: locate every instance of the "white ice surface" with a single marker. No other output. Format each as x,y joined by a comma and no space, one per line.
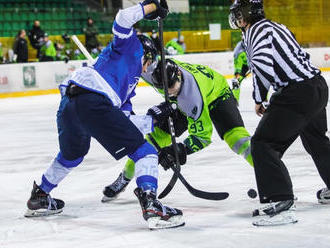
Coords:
29,143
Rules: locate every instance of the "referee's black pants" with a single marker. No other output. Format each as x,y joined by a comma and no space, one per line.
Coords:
296,110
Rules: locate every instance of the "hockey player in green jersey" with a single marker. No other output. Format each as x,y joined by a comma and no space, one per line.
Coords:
241,69
203,97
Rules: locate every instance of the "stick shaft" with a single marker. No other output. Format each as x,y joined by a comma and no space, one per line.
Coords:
82,48
165,84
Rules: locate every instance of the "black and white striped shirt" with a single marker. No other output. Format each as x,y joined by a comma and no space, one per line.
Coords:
275,58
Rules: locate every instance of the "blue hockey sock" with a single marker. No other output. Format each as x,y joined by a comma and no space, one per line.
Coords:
147,183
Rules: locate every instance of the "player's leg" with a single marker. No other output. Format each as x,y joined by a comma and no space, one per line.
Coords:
74,143
276,131
112,191
146,173
287,114
230,126
317,145
160,137
315,140
120,137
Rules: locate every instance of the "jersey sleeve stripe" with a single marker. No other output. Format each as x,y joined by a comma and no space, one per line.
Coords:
120,29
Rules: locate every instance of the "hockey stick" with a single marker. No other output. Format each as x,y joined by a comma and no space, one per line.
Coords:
174,178
82,49
215,196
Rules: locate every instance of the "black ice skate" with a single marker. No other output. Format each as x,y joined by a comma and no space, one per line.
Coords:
323,196
156,214
41,203
113,190
276,213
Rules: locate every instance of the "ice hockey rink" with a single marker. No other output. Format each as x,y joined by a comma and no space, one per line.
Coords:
29,143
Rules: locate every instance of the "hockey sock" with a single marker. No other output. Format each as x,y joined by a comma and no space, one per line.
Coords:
162,138
54,174
146,172
129,170
238,140
57,171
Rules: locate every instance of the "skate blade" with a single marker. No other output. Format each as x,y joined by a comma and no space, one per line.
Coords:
41,212
108,199
277,220
324,201
155,223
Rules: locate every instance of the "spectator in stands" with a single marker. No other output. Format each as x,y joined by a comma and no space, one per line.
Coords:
91,33
176,46
47,50
78,55
20,47
68,50
36,35
155,39
95,52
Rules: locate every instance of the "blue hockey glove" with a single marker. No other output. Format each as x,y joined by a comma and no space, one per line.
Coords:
166,156
161,12
161,112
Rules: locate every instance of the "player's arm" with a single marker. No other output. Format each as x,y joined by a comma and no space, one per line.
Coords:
239,63
125,19
200,132
263,67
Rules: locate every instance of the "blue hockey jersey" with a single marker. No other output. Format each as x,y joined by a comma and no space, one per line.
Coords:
118,68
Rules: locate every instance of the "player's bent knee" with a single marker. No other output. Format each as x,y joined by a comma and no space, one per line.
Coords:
68,163
144,150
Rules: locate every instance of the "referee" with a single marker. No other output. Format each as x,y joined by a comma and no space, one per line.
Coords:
297,108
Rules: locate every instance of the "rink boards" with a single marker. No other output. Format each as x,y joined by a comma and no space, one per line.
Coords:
43,78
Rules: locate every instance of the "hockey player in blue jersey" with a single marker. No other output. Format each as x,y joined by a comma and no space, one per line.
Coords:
94,102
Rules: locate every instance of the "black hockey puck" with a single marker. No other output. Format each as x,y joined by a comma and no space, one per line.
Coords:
252,193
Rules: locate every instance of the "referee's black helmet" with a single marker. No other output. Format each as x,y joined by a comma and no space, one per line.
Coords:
251,11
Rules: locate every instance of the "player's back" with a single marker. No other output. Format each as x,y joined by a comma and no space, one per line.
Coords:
120,64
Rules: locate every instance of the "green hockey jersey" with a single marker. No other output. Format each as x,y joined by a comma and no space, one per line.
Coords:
200,88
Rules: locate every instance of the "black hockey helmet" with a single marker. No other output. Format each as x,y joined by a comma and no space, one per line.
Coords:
172,71
149,48
251,11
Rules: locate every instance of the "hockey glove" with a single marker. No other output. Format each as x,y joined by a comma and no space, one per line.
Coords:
235,83
166,156
180,123
161,12
161,112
